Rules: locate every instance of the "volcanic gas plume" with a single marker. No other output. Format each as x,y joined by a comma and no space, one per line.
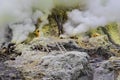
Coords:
21,15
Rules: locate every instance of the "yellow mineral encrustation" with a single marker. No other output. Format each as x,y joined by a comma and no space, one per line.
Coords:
37,32
32,36
95,35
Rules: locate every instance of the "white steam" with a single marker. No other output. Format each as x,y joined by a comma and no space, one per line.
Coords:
21,15
21,30
79,22
14,10
99,13
96,13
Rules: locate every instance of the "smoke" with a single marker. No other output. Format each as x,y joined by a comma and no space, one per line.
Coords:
109,9
14,10
21,30
20,15
79,22
25,13
98,13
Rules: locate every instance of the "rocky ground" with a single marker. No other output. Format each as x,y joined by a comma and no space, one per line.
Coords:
61,59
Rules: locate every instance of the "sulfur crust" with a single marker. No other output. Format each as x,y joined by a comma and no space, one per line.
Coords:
114,32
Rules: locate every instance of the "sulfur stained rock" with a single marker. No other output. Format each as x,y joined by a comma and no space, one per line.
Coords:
8,52
113,32
99,41
64,60
50,30
28,65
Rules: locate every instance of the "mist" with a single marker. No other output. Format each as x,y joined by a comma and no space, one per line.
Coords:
25,13
98,13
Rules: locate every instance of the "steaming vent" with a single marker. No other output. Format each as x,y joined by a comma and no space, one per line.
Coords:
85,15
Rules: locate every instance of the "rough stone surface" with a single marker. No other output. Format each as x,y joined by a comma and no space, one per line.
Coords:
9,73
55,66
64,59
108,70
69,66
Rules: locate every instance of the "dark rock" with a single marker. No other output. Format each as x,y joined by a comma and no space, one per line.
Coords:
7,52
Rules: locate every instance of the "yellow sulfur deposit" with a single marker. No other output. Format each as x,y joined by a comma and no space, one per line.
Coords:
32,35
37,32
113,31
95,35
